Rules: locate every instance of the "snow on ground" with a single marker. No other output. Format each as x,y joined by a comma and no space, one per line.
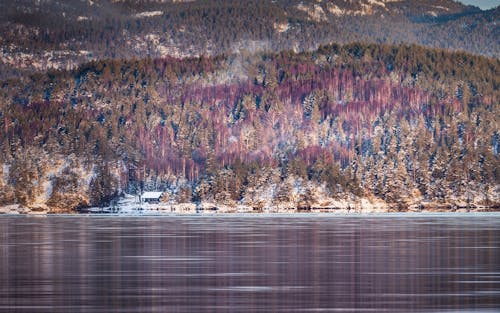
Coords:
130,205
375,2
315,12
148,14
281,27
11,209
335,10
441,7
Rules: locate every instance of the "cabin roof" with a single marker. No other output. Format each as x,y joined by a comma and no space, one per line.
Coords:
152,195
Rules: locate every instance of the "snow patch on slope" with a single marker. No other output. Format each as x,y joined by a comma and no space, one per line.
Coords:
281,27
315,11
335,10
365,7
376,2
441,8
148,14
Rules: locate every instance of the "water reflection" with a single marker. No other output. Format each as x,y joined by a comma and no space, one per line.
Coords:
250,264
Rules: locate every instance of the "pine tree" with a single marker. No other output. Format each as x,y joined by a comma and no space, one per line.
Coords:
103,186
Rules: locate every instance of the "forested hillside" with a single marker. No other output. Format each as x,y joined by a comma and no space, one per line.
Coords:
46,34
404,124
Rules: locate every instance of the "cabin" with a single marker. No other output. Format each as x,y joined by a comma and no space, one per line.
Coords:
152,196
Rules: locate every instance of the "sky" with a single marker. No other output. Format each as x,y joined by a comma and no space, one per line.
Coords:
483,4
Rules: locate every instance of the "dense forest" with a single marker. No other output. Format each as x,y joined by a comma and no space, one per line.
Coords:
45,34
403,124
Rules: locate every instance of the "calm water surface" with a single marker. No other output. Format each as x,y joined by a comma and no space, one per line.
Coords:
391,263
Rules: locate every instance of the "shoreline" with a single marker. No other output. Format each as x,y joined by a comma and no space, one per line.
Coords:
258,215
192,209
130,205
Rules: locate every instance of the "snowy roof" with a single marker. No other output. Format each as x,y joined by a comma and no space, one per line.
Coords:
152,195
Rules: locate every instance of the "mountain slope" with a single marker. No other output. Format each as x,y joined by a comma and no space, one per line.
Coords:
60,34
403,124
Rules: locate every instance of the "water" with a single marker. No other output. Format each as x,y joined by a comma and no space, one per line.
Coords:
298,263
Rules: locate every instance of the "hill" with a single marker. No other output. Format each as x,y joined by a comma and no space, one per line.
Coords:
50,34
399,124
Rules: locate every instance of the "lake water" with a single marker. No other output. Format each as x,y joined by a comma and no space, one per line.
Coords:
296,263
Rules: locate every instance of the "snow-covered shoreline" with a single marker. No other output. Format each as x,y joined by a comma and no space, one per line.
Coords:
129,205
333,212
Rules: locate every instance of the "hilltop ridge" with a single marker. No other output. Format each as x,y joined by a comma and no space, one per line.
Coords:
42,35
